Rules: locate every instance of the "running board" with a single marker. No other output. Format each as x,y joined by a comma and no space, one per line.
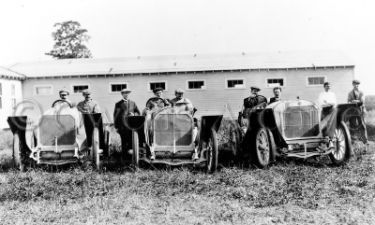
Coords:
305,155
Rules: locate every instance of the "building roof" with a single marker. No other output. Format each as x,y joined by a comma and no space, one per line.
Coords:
182,63
9,74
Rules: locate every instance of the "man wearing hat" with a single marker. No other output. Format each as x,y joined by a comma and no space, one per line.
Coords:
88,105
253,100
63,93
179,100
355,95
157,100
124,108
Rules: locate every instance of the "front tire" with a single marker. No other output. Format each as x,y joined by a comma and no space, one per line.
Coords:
342,146
262,148
212,153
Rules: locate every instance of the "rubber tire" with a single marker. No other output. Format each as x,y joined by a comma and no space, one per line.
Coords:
213,159
347,141
95,147
256,157
17,157
135,146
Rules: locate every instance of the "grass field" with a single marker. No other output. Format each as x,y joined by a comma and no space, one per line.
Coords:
289,192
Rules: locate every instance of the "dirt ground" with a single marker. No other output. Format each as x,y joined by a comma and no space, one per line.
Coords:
289,192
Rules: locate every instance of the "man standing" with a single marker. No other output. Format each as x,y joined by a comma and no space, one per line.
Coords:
88,105
357,96
276,92
327,101
123,109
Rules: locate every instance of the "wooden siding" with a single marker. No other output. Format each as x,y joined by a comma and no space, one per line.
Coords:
211,100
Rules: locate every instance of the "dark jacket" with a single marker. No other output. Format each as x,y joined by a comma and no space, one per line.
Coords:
122,109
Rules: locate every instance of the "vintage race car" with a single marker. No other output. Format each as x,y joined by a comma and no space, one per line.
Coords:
62,135
169,136
293,129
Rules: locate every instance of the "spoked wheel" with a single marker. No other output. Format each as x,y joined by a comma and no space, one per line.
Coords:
342,147
95,149
212,152
135,156
262,148
17,153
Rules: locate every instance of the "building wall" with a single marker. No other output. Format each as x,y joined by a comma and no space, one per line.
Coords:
211,100
7,102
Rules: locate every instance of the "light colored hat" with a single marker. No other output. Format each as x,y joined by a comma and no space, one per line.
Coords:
86,92
356,81
179,91
125,90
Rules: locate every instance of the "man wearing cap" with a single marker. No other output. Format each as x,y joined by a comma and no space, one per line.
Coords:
253,100
179,100
276,92
63,93
157,100
327,101
88,105
357,96
124,108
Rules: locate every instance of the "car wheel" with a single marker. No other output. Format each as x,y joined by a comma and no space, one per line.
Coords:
135,155
95,149
17,153
342,145
212,152
262,148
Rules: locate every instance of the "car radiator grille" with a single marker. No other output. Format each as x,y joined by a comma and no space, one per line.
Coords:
173,130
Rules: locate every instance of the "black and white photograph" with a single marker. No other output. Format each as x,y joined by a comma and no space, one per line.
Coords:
187,112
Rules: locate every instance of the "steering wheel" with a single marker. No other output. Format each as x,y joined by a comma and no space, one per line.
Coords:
61,100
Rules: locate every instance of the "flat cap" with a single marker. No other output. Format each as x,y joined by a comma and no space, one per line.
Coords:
179,91
86,92
356,81
255,88
326,83
125,90
64,90
157,89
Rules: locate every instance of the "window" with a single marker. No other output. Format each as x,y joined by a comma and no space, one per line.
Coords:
154,85
79,88
315,81
118,87
235,83
43,90
196,84
275,82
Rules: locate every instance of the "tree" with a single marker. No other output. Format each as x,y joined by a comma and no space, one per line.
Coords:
70,41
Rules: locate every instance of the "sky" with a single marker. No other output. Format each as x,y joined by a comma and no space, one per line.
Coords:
120,28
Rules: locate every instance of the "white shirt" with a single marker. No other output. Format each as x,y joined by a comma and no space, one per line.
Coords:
327,98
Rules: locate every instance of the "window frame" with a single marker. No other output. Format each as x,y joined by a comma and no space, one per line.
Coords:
1,95
42,85
270,78
79,93
161,81
315,85
196,89
118,83
235,88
